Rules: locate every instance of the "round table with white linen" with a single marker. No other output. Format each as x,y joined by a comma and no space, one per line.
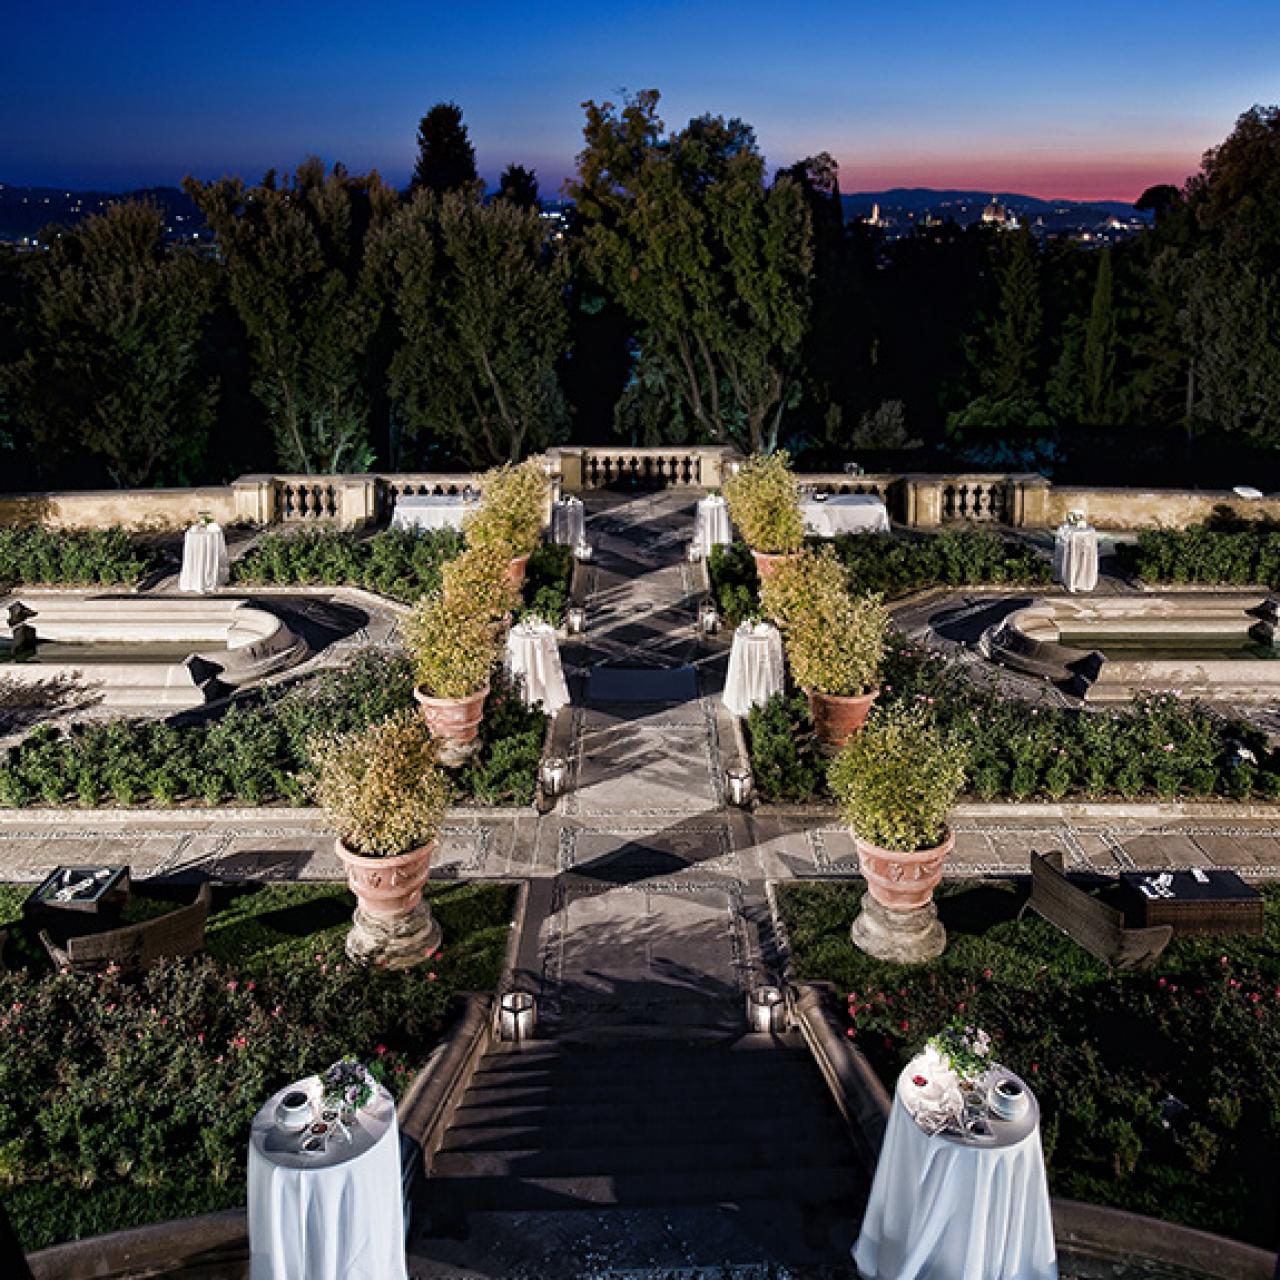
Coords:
568,522
711,526
205,566
845,513
756,667
432,511
946,1207
1075,557
533,660
338,1213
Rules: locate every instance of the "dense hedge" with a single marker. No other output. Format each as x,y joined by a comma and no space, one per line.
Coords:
128,1100
1158,1091
400,563
1161,746
256,752
891,566
548,582
99,557
1228,558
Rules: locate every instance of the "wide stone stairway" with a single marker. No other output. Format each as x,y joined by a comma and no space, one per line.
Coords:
644,1131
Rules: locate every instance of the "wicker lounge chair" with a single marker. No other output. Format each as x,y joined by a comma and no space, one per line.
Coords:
1098,928
137,946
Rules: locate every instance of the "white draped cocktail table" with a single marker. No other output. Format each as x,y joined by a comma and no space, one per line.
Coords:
756,668
533,660
845,513
338,1214
1075,557
568,522
946,1208
433,511
205,566
711,526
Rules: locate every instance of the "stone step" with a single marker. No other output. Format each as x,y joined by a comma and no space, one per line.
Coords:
662,1159
816,1185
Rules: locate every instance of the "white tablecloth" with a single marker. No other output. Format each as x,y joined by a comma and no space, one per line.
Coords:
568,522
339,1214
432,511
205,566
1075,557
756,668
845,513
533,659
942,1208
711,527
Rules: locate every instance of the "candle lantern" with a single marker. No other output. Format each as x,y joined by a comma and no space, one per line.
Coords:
709,619
741,786
517,1016
766,1010
554,774
583,551
575,621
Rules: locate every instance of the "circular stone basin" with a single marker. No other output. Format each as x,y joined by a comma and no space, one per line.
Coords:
143,651
1107,648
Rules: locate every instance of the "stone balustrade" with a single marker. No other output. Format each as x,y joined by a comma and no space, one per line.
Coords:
914,500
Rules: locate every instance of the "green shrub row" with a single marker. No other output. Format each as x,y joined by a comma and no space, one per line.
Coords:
97,557
401,563
257,752
548,581
129,1100
1236,558
1158,1091
1160,746
891,566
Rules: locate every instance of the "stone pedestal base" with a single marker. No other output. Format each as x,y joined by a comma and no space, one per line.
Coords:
901,937
394,942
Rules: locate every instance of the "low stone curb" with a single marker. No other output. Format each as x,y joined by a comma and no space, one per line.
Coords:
1101,810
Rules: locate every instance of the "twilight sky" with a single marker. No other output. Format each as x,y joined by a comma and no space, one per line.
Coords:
1075,100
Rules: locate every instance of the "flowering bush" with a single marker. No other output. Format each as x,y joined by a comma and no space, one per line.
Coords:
452,644
835,640
764,502
381,787
512,509
129,1100
897,780
478,580
1158,1090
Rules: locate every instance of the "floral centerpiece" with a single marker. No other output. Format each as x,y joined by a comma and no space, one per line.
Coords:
347,1086
381,788
512,512
896,782
943,1079
764,503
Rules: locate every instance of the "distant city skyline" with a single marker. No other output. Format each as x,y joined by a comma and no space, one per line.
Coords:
1094,102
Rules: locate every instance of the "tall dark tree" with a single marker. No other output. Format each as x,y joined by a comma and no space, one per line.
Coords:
519,186
446,159
1098,357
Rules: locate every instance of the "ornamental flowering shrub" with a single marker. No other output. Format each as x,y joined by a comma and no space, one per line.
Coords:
764,503
477,579
126,1100
512,509
1158,1090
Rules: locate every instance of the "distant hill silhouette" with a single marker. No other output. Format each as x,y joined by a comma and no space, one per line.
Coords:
921,199
24,211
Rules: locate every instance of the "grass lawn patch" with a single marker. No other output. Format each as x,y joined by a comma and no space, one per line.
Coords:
1159,1090
128,1100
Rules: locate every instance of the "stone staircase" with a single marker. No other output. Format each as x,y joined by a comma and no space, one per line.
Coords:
605,1151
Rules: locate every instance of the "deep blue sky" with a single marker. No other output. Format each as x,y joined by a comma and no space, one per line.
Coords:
1083,99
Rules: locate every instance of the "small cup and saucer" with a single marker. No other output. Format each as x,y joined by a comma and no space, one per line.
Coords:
1007,1099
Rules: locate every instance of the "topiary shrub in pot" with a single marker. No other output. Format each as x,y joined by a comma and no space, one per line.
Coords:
453,644
896,782
479,579
764,503
383,791
513,509
835,641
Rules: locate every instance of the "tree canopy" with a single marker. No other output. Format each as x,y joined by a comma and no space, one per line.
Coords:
446,159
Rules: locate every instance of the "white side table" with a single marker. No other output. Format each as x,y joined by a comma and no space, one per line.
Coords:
205,564
533,660
757,669
1075,557
339,1213
568,522
943,1207
711,526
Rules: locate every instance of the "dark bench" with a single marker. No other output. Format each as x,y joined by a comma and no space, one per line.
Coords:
137,946
1098,928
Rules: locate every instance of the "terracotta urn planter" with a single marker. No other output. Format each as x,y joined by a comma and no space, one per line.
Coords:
393,925
517,567
837,719
766,562
454,723
899,921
